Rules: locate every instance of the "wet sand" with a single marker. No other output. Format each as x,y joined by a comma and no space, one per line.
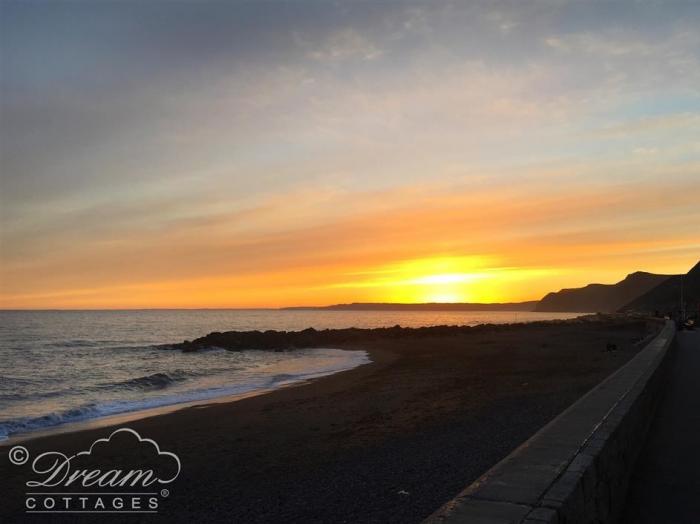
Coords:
390,441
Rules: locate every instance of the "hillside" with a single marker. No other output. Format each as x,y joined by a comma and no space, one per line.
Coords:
666,297
603,298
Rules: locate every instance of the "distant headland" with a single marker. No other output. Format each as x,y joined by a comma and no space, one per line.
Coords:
638,292
427,306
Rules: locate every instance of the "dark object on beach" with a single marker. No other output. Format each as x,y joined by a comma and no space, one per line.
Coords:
610,347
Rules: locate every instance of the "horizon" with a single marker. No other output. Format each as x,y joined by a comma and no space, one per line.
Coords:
267,155
321,306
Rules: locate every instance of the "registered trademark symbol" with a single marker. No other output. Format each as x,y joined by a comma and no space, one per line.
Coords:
19,455
164,493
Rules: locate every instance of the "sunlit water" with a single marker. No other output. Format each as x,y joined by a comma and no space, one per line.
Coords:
58,367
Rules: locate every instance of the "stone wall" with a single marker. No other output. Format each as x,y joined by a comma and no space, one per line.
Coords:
576,469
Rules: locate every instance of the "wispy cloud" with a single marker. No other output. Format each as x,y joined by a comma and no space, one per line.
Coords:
346,44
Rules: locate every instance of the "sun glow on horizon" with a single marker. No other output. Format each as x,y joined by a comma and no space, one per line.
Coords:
445,288
446,279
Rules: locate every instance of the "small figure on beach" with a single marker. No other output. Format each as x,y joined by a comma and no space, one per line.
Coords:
610,347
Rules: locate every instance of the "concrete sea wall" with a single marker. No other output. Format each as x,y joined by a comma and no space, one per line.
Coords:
576,469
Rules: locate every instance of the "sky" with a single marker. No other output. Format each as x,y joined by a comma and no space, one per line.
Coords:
264,154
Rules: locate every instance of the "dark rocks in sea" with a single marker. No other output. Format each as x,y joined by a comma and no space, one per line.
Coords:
310,337
283,340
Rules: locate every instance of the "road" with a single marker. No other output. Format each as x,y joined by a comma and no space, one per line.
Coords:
665,486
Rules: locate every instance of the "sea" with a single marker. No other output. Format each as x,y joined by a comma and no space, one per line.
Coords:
59,368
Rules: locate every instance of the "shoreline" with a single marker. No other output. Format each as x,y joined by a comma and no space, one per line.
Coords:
403,434
329,338
155,411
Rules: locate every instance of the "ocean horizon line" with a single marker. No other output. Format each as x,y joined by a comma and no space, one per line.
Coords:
328,307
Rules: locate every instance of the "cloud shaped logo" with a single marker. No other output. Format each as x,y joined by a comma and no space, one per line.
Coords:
122,459
128,431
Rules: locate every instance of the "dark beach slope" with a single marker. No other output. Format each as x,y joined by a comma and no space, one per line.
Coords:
387,442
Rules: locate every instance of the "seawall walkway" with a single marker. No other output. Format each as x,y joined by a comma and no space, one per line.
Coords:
665,486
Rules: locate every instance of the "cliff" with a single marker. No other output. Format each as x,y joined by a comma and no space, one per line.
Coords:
666,297
602,298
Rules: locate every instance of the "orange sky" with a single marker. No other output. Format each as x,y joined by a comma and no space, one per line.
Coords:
417,244
258,156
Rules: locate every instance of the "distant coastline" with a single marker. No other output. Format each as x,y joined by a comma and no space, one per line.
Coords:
639,292
427,306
